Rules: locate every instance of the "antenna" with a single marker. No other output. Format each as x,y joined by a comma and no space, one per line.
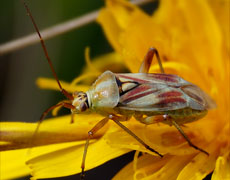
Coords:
63,91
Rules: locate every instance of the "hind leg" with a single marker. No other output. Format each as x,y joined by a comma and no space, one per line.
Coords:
167,119
187,138
144,68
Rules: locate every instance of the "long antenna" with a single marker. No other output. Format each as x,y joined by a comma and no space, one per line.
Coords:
64,92
69,96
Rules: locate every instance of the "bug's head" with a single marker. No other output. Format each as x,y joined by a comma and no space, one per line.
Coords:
80,101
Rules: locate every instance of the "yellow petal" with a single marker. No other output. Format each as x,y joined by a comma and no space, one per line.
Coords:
144,166
47,83
171,169
221,10
112,29
90,65
222,169
188,23
56,130
118,20
201,165
111,61
115,18
87,77
172,68
160,137
149,167
208,36
12,164
67,161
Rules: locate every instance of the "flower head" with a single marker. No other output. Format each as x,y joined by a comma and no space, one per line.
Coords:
192,40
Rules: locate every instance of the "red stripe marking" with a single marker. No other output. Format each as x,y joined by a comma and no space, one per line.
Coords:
190,91
163,74
138,96
165,77
164,102
137,90
170,94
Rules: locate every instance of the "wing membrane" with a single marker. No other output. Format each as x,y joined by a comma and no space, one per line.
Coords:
198,98
153,98
162,92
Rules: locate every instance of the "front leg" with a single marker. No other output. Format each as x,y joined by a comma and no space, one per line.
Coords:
97,127
117,120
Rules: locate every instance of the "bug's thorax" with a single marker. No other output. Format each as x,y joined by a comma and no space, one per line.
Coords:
104,93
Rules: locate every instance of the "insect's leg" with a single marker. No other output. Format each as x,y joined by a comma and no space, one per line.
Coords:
72,118
116,120
144,68
63,104
150,119
44,114
187,139
98,126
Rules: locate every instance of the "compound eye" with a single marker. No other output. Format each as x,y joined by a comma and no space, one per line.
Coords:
83,107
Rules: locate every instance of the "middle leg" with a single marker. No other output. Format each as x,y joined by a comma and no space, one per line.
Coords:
117,119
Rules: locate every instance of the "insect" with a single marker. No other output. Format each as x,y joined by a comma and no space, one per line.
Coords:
149,97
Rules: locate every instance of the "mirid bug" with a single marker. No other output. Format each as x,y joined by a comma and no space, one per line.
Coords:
149,97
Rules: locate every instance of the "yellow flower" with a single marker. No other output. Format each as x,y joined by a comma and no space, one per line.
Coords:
193,40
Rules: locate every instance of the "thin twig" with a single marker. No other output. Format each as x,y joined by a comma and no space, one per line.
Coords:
54,30
48,33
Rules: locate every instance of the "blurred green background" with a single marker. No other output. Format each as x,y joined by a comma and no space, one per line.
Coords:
20,99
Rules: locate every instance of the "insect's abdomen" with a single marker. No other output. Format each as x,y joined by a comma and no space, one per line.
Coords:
186,115
181,116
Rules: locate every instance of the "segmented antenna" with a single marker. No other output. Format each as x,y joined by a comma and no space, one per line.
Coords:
64,92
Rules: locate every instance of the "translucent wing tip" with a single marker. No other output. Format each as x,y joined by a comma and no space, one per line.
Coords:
209,102
199,99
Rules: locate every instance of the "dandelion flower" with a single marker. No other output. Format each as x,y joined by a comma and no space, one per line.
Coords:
193,39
